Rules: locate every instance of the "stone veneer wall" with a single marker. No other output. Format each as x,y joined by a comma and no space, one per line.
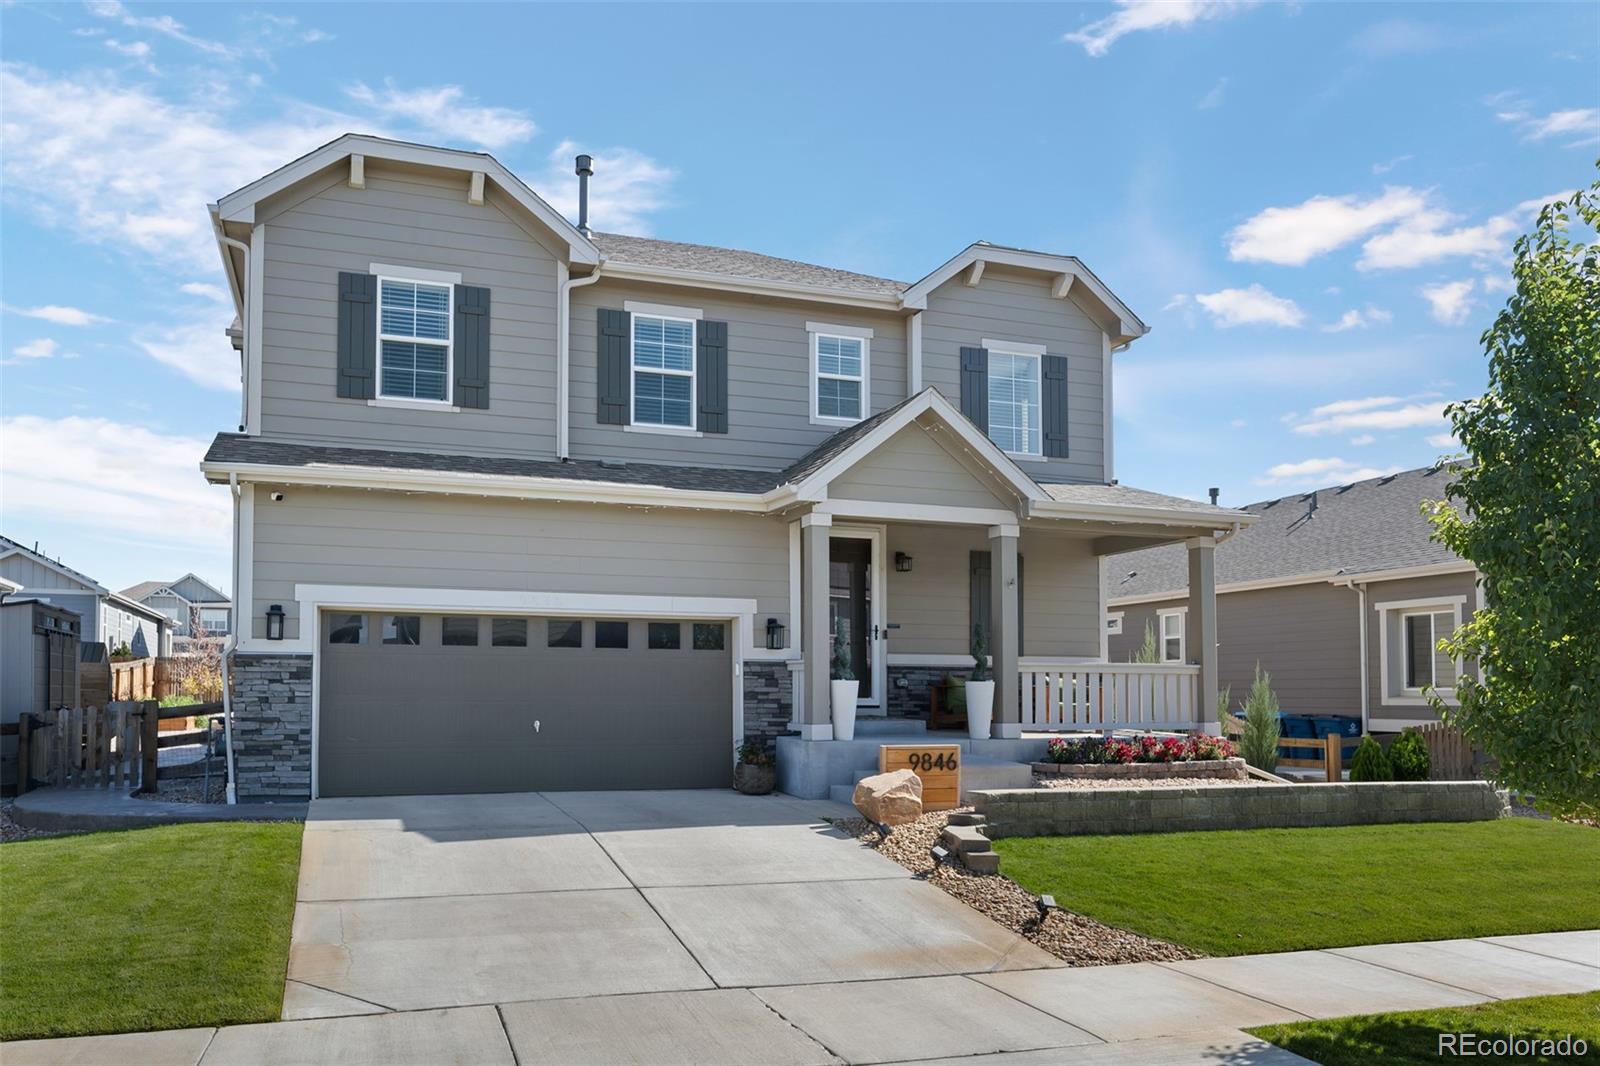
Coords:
911,701
768,700
271,727
1077,812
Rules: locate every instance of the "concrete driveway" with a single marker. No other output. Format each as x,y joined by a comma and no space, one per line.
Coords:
419,902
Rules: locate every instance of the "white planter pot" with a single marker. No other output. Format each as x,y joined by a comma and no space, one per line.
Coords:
844,695
980,709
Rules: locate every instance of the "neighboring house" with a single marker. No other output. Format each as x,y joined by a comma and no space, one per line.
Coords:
187,601
1339,594
108,617
522,506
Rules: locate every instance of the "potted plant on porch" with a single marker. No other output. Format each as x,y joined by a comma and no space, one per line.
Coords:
757,771
980,689
843,689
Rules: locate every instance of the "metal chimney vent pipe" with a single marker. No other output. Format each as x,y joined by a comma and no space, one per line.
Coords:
1214,492
1311,506
585,169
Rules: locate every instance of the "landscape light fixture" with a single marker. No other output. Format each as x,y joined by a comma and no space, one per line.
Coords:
1044,905
939,854
275,622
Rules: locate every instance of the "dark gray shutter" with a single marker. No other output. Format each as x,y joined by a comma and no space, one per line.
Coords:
1055,406
978,592
975,386
358,336
472,346
613,349
711,376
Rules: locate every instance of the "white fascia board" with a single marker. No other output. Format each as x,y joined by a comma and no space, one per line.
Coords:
235,289
701,279
1321,577
1202,518
455,484
1129,324
239,206
1455,566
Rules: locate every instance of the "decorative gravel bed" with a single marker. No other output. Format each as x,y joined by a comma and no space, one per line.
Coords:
10,830
1148,782
187,790
1078,940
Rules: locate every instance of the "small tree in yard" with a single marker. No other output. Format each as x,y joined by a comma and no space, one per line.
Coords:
1409,757
1148,652
1259,741
1524,511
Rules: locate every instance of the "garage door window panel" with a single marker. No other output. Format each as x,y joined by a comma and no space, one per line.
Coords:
611,634
460,632
509,633
405,629
665,636
564,633
709,636
347,629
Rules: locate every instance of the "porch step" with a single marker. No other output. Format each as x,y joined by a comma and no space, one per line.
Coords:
982,773
964,838
845,794
967,818
890,727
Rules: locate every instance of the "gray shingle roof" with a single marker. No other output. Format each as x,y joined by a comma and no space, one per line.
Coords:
646,251
142,589
1369,525
237,448
1118,496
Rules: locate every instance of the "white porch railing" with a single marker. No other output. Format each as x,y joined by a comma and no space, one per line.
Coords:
1106,696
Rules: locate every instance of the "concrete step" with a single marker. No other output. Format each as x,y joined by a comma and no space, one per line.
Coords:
964,838
981,862
842,793
982,773
967,818
890,727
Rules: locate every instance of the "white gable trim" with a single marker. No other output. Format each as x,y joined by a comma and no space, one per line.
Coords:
1130,326
239,206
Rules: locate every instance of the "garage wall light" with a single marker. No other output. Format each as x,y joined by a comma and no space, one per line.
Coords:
902,562
275,622
775,631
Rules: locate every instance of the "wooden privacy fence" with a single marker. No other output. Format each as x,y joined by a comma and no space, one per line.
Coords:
134,680
89,747
1450,754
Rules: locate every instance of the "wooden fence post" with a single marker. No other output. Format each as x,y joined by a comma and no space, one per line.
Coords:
149,743
1334,757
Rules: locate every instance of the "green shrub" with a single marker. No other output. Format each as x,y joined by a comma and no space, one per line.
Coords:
1408,757
1370,763
1259,741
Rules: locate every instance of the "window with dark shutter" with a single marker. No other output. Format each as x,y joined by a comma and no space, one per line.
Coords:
472,346
358,336
975,386
711,372
1055,406
612,356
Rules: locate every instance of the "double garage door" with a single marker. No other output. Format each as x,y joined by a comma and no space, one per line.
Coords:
424,704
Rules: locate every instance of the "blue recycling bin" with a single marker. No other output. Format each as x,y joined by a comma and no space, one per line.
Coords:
1335,725
1298,725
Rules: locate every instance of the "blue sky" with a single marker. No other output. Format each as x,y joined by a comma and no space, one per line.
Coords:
1311,204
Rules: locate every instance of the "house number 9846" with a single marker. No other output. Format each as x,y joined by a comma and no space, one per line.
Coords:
925,761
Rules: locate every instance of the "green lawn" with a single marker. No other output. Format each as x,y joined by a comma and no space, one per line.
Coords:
146,929
1411,1038
1238,892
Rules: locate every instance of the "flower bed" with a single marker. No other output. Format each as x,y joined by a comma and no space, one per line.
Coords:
1141,757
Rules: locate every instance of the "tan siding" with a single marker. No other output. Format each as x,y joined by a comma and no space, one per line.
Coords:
769,366
911,467
406,218
322,536
1016,305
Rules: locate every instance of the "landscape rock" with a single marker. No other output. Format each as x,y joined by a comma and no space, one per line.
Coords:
894,798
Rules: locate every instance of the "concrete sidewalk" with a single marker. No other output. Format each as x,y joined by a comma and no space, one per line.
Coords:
1152,1014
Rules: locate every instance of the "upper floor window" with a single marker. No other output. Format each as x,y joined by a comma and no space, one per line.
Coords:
663,371
414,321
839,384
1014,390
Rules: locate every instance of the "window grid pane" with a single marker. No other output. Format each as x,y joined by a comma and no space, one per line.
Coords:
564,633
663,343
708,636
1014,419
838,399
402,629
662,400
414,371
611,634
665,636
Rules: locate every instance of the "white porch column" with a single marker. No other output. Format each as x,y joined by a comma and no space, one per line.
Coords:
1201,637
816,720
1004,623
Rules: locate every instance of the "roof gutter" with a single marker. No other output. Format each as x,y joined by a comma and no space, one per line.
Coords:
563,359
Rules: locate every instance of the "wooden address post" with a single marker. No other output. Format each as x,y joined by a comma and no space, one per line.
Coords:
938,765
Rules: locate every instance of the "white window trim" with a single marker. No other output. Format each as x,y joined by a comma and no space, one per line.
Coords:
405,273
418,277
1026,351
692,429
816,331
1182,614
638,307
1399,695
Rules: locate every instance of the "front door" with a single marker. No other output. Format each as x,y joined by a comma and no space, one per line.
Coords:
852,612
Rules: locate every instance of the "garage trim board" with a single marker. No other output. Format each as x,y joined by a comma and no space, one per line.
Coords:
316,600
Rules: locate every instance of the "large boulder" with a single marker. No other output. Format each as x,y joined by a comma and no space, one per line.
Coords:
894,798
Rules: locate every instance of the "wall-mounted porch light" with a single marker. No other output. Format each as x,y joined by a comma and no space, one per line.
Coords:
902,562
775,633
275,622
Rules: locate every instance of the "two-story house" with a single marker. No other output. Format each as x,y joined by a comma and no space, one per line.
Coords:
198,609
525,506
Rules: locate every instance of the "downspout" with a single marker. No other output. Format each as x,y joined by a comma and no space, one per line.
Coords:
563,342
227,648
1361,606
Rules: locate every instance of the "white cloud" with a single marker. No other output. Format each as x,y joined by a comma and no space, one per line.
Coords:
1133,16
59,314
1252,306
1293,236
205,290
1400,36
1580,123
1450,301
131,49
1344,407
445,112
111,475
1238,423
1421,240
43,348
1312,473
627,187
1215,97
1351,415
199,350
1363,440
1444,440
1359,319
1384,168
162,24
